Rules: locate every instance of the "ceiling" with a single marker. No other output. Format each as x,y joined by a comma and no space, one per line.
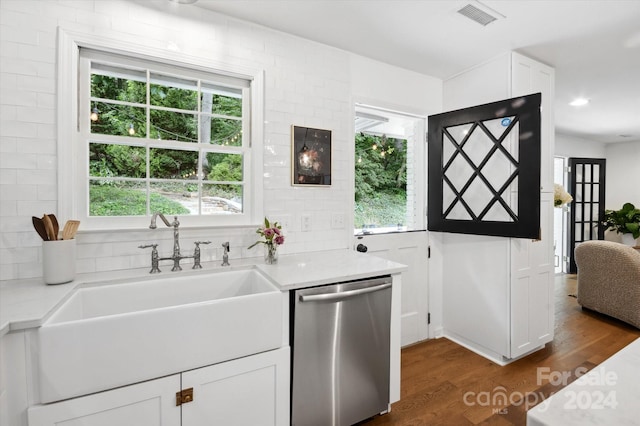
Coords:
594,45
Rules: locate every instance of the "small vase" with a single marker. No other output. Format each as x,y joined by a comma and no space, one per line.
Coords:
628,239
270,254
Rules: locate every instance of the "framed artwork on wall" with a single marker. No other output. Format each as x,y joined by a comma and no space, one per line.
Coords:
310,156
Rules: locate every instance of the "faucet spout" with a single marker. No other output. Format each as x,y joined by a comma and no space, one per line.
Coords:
164,219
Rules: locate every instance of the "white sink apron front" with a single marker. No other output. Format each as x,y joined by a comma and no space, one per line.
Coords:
112,335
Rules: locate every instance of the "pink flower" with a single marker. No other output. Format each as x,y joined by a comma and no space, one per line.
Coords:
272,233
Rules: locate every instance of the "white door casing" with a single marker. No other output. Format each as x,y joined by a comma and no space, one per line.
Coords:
407,247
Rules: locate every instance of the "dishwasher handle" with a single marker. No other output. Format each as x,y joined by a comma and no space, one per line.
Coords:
331,297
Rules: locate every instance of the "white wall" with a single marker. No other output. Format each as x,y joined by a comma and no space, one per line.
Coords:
623,174
623,165
306,84
572,146
622,168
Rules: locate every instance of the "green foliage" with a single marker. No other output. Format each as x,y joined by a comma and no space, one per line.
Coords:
382,169
117,160
381,210
118,201
380,181
623,221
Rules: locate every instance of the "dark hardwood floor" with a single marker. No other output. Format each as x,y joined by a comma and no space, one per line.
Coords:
446,384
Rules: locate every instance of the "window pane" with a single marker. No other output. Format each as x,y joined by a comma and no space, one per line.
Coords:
107,160
175,126
119,120
222,167
177,198
221,199
221,100
118,84
117,198
173,164
221,131
380,183
173,92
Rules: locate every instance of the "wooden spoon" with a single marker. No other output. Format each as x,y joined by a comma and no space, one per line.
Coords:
70,229
54,222
48,226
39,226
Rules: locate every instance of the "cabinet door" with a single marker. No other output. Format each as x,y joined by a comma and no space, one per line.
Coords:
247,391
151,403
529,76
532,306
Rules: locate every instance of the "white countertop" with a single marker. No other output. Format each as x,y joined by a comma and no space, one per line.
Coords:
318,268
28,303
609,394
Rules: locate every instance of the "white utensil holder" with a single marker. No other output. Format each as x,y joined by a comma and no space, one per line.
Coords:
59,261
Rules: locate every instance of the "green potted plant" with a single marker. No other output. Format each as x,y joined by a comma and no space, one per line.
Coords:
625,221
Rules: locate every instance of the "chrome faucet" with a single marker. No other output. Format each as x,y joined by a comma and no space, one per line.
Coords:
176,239
176,256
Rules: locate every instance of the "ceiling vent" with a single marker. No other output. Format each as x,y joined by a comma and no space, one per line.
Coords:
475,14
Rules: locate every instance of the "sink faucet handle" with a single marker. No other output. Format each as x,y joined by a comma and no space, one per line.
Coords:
225,254
155,258
196,254
148,245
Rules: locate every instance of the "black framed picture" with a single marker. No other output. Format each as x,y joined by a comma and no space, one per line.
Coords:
310,156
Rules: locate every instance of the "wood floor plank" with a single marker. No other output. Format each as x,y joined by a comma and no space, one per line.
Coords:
437,374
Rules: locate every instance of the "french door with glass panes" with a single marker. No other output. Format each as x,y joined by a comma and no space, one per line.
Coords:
586,185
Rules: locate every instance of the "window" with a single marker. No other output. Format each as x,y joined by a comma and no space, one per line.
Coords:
389,155
161,138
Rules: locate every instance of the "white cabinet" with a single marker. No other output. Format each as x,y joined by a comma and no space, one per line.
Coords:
151,403
498,292
13,379
250,390
532,277
529,76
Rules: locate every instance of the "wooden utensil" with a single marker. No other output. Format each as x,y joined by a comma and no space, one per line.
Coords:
54,222
48,226
70,229
39,226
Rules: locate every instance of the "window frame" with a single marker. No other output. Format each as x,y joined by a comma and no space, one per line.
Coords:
73,165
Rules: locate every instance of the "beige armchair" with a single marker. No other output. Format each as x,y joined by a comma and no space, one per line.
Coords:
609,279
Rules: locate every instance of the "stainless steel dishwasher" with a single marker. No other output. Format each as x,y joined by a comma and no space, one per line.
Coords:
340,341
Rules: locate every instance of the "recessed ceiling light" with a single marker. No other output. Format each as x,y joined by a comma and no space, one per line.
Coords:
579,102
183,1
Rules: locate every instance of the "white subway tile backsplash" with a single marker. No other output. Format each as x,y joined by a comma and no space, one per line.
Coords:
37,53
8,208
14,96
11,160
48,192
47,161
39,146
18,192
36,207
9,240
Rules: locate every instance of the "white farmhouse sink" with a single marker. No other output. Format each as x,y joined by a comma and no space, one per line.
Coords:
115,334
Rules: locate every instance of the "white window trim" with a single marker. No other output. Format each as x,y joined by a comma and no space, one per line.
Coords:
68,134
